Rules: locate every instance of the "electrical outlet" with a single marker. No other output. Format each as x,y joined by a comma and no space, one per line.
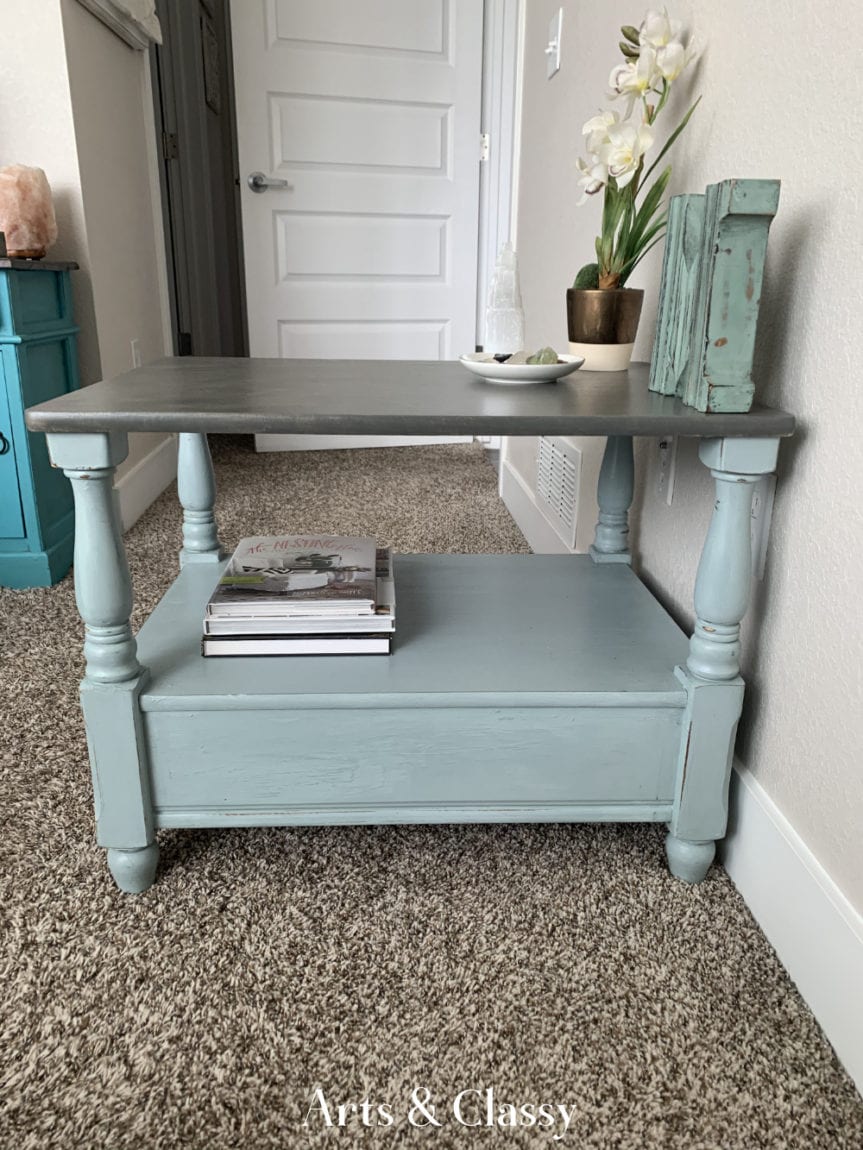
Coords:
759,523
136,353
667,467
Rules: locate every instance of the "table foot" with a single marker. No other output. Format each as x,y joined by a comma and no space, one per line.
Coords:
135,870
687,860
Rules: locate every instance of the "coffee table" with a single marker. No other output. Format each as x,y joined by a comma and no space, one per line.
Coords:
524,688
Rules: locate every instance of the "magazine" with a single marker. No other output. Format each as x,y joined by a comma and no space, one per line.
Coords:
383,621
285,576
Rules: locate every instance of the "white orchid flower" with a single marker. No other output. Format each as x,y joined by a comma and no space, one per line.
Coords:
622,154
616,144
596,129
671,60
659,30
667,38
635,78
594,177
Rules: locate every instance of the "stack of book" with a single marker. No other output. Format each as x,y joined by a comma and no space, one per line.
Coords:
303,595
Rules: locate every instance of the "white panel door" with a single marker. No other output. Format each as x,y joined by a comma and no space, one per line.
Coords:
370,109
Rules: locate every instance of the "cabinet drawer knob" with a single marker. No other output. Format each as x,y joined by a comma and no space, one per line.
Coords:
5,445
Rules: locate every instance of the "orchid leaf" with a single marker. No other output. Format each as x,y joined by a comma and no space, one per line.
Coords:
630,267
651,203
671,139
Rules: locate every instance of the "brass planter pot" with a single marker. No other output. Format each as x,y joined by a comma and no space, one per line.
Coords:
602,326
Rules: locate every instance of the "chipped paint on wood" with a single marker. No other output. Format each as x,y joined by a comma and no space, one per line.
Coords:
710,294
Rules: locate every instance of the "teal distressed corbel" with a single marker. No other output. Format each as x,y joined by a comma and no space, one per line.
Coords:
710,293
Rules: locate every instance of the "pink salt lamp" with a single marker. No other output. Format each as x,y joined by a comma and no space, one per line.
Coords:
26,212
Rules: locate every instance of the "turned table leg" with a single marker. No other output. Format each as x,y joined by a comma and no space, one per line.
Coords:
196,487
614,496
113,678
711,675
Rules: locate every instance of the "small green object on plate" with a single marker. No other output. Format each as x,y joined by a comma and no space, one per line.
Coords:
544,355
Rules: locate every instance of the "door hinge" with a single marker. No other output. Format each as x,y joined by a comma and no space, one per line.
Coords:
484,147
170,146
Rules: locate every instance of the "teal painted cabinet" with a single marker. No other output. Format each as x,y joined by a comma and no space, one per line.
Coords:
38,361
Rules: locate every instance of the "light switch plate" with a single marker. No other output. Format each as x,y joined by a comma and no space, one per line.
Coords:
552,51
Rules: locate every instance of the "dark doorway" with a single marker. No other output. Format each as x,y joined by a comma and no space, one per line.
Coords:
194,94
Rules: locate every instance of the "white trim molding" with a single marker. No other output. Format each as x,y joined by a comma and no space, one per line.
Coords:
142,484
501,113
521,503
134,21
816,933
266,442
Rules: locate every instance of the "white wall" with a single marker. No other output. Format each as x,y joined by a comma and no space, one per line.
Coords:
75,100
783,95
36,128
113,120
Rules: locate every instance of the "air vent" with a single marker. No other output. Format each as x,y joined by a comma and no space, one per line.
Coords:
557,479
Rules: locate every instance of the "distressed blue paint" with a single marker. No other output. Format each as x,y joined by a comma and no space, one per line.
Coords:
614,495
196,488
522,688
712,275
134,870
677,294
38,361
725,570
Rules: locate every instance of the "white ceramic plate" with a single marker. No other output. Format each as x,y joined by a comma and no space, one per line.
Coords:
487,367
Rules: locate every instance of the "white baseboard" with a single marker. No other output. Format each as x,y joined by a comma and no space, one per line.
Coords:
267,442
814,930
145,482
539,533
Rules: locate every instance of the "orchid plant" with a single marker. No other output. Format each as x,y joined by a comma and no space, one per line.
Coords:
633,214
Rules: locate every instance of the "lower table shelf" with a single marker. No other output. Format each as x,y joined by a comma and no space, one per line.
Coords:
521,688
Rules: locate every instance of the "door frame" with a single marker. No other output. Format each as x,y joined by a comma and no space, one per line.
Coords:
500,119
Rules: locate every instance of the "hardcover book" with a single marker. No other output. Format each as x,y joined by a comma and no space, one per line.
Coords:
296,645
382,622
288,576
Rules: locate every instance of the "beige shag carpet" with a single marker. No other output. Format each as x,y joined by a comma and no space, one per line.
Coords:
551,964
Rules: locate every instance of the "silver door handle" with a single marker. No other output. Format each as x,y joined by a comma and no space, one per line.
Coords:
258,182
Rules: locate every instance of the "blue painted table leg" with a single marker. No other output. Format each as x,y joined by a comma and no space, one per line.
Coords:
196,487
113,678
711,675
614,496
134,871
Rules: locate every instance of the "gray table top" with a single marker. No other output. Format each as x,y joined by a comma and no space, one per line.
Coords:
381,397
